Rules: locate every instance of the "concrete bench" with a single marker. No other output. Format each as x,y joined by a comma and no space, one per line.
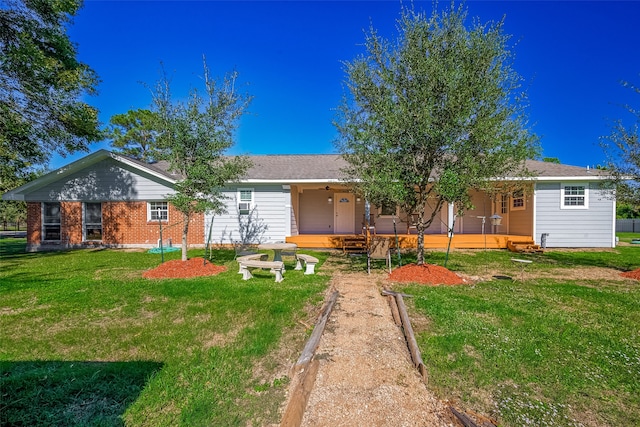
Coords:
309,262
252,257
275,267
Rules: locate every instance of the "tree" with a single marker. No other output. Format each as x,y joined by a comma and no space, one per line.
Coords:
627,211
433,115
133,134
41,86
12,210
193,137
622,148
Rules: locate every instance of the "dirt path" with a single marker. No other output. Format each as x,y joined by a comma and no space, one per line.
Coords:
365,375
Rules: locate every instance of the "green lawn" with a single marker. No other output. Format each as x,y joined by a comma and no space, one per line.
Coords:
87,341
543,352
627,237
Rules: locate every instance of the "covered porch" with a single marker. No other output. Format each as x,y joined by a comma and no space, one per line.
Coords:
410,241
325,217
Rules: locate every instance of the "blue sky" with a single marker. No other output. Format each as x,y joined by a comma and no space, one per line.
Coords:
289,54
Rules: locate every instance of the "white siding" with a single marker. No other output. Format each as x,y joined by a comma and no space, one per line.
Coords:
590,227
107,180
271,202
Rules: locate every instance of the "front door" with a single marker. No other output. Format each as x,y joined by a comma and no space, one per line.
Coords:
345,211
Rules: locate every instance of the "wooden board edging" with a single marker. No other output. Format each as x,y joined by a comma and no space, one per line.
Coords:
314,339
304,372
410,337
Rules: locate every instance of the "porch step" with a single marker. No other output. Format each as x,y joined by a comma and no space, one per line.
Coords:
528,246
354,244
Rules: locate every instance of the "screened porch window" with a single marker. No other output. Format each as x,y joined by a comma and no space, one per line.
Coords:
51,222
92,221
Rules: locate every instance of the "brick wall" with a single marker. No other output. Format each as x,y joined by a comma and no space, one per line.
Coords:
126,223
34,221
71,223
123,223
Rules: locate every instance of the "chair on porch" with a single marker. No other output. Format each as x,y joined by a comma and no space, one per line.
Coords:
379,248
412,220
369,229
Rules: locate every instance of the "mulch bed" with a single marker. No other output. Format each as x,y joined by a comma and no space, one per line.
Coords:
426,274
634,274
176,269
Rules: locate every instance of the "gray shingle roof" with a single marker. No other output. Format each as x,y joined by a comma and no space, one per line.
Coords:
547,170
326,167
321,167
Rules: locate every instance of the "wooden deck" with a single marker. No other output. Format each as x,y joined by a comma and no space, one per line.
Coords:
431,241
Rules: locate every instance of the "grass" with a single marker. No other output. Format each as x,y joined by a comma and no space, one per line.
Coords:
543,352
627,237
88,341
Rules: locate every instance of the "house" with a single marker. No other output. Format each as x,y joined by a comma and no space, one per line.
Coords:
107,199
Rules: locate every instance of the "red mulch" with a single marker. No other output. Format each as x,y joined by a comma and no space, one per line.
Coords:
426,274
177,269
634,274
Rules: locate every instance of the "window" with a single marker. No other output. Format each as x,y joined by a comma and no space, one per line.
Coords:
518,201
574,196
245,201
92,221
388,209
51,222
503,203
158,211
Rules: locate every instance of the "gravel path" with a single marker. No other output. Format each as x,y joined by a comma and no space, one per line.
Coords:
365,375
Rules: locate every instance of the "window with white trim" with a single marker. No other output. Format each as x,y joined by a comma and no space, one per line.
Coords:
158,211
574,196
92,221
518,202
51,221
245,201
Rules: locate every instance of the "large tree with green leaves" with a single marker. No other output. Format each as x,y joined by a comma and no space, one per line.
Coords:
622,148
433,114
41,86
193,137
134,134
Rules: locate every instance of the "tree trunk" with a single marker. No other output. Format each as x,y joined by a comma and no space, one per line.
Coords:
185,230
421,226
420,249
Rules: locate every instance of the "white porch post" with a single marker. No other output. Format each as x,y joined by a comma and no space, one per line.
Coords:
286,189
450,219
